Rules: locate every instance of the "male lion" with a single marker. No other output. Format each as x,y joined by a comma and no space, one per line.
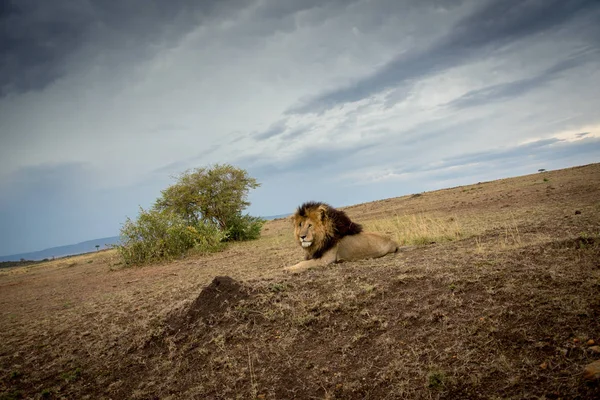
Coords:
327,236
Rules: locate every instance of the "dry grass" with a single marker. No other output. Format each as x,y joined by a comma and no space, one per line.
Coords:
419,229
495,297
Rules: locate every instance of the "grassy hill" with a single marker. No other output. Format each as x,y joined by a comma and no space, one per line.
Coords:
496,296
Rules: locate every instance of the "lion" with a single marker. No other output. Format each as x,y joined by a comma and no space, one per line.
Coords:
328,236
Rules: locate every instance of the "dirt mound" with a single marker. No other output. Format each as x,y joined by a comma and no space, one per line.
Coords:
211,303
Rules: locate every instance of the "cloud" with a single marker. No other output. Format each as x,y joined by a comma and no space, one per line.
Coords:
277,128
505,91
40,41
285,130
496,24
549,153
316,161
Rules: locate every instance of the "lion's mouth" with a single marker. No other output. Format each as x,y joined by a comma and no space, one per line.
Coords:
305,244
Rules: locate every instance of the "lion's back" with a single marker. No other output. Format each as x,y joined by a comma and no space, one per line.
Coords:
365,245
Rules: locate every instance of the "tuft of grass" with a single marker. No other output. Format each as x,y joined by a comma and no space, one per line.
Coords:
13,395
436,380
72,375
506,236
419,229
15,375
277,287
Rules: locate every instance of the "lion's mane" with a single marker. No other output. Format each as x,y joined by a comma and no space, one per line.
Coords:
331,225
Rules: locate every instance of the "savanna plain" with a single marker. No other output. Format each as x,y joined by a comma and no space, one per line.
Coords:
495,294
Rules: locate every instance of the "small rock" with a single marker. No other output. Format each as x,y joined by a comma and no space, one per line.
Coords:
591,372
591,342
595,349
544,365
577,212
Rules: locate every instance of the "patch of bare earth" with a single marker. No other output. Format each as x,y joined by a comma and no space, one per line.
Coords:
506,305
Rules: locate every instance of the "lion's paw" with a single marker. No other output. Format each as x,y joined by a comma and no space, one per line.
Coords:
294,269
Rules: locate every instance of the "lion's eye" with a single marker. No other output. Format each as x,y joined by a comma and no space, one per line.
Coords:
300,224
309,225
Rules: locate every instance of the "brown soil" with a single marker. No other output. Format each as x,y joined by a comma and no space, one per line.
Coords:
505,311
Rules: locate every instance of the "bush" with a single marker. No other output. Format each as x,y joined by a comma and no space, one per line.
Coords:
201,211
244,227
159,236
208,238
214,195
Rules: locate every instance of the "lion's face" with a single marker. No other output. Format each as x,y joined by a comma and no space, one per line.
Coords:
309,229
305,231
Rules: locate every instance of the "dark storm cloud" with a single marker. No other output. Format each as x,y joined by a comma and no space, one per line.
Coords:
38,37
522,86
496,24
34,38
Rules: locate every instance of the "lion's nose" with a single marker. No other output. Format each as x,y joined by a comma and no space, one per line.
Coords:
302,237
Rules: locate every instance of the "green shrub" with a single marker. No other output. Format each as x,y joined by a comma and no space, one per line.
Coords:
214,195
208,238
201,211
159,236
244,227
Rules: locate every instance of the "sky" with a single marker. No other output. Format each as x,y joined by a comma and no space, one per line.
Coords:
103,103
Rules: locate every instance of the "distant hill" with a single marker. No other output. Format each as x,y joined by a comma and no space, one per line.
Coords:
79,248
61,251
271,217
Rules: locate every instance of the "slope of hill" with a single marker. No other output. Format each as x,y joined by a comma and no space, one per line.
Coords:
496,296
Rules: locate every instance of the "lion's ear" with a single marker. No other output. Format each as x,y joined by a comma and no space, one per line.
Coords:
322,211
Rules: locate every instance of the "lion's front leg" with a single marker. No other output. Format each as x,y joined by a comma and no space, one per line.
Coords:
302,266
328,258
